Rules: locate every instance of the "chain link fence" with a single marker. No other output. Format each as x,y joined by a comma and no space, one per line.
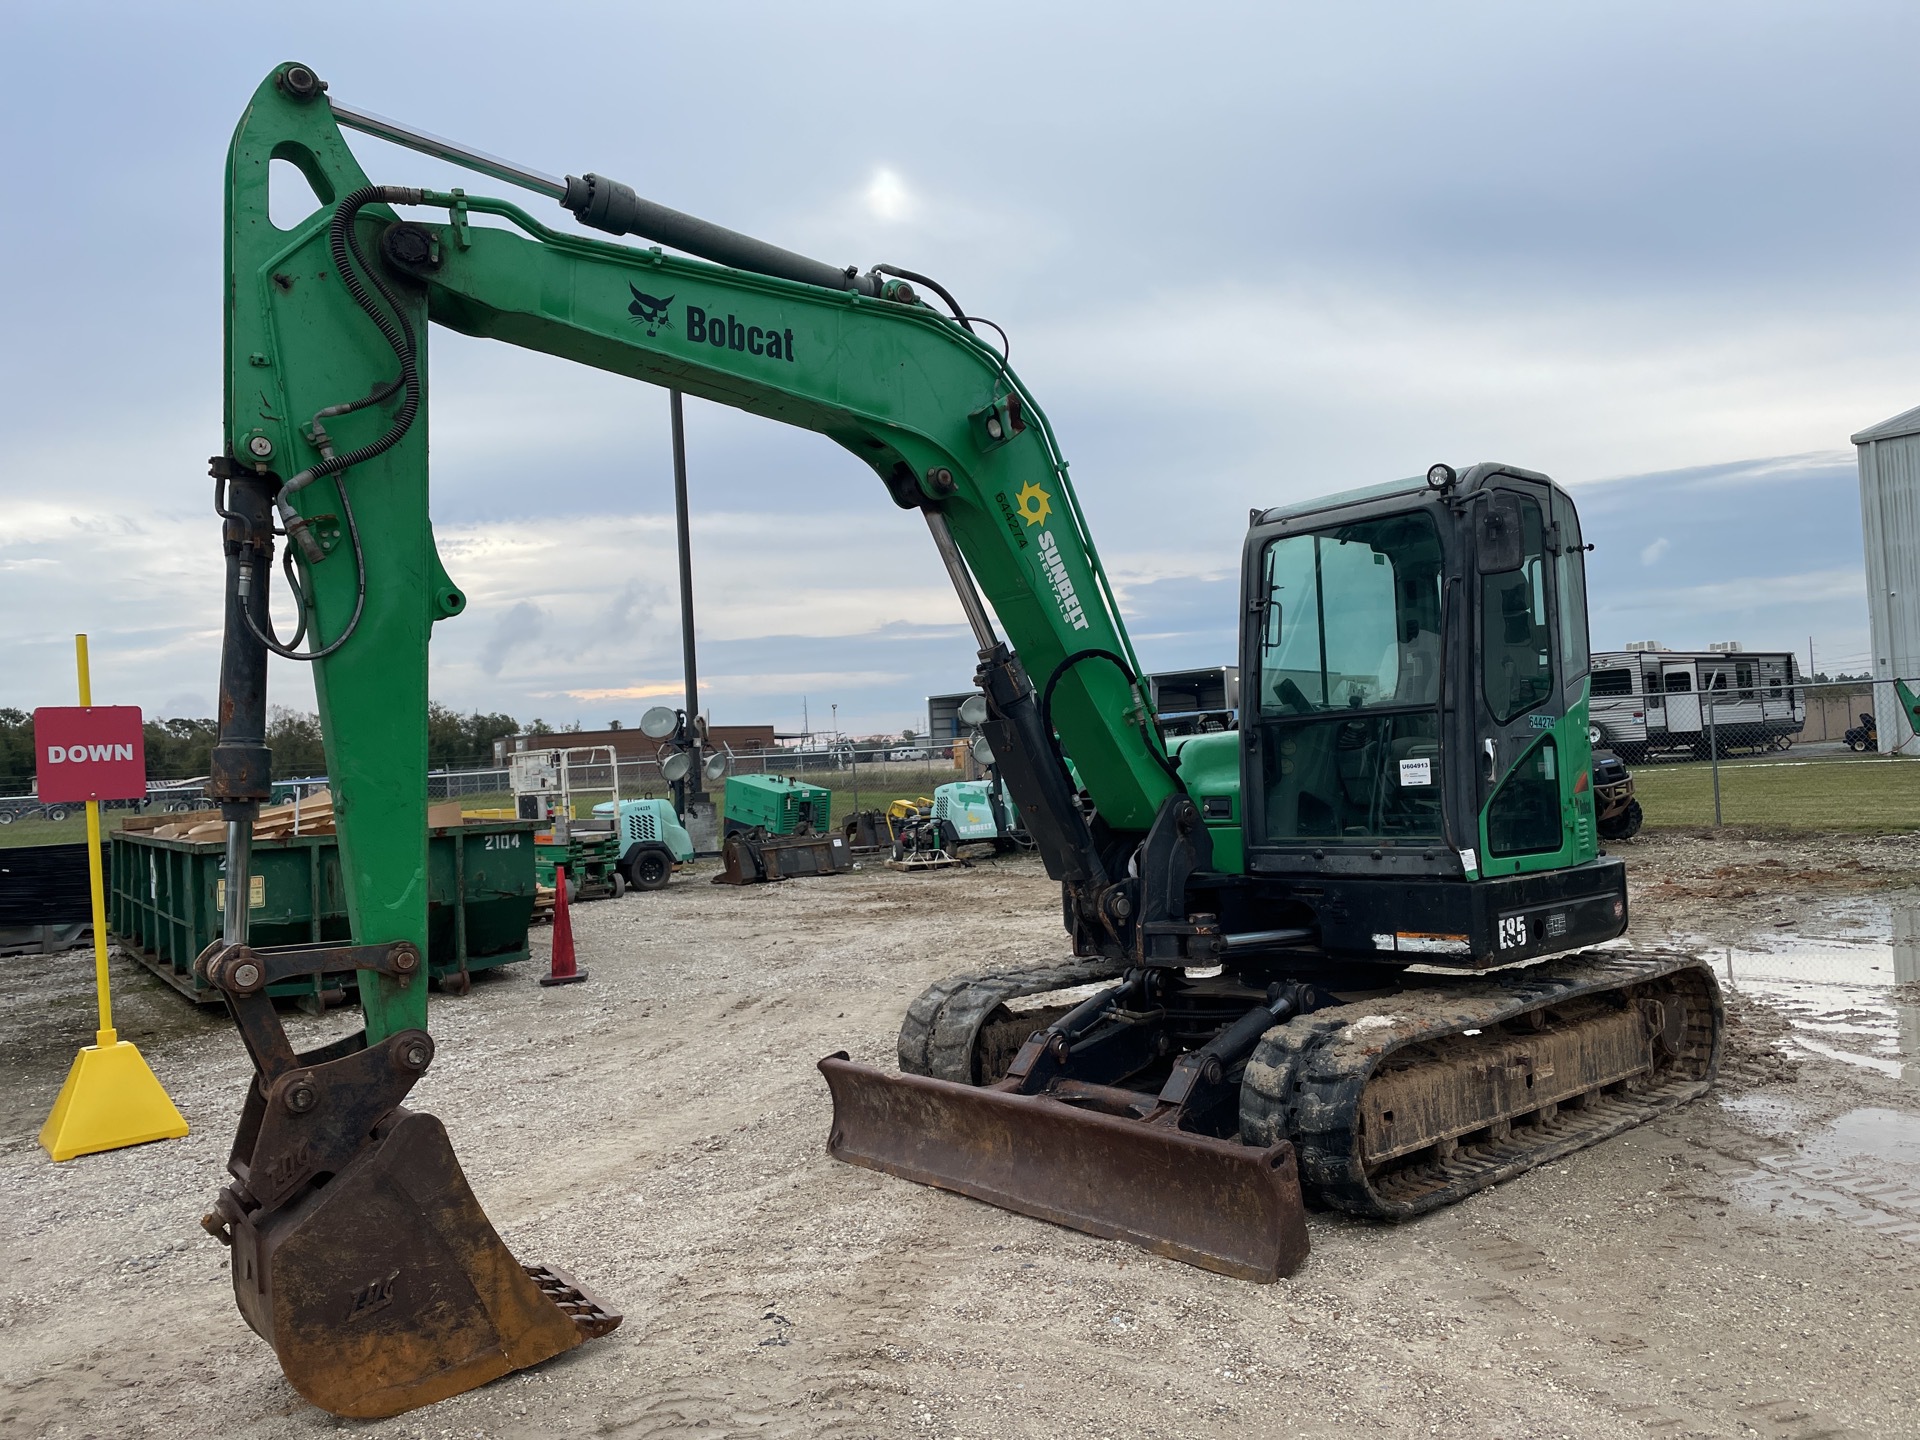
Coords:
863,775
1787,756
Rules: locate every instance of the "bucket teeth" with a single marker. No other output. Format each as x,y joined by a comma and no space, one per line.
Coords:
591,1317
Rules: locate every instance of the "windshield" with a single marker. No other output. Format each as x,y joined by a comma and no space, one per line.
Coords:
1349,683
1352,618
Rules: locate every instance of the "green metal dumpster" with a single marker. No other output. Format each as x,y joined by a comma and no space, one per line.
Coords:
165,899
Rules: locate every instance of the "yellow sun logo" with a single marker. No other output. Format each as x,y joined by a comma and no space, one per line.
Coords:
1033,503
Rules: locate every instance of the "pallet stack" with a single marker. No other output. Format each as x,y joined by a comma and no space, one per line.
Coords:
311,816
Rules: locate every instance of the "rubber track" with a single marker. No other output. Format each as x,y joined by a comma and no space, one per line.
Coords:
1304,1080
937,1038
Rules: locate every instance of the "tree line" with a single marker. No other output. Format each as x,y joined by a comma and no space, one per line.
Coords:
182,749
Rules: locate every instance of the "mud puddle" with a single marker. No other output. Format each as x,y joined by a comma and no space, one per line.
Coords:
1847,992
1861,1169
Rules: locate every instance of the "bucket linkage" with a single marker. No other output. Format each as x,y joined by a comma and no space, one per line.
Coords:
359,1251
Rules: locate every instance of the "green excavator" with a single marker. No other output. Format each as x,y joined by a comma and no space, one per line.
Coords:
1325,959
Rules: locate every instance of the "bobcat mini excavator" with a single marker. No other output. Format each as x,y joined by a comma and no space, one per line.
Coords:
1298,948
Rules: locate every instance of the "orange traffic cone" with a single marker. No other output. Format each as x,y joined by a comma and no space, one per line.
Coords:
564,971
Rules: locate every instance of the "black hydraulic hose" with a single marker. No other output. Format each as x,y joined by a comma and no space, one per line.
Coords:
359,600
966,321
1006,345
1146,734
934,285
351,265
344,245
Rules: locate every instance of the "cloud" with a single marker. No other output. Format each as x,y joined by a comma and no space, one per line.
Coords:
520,628
1644,279
819,681
1652,553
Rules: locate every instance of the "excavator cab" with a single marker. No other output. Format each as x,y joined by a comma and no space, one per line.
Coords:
1414,740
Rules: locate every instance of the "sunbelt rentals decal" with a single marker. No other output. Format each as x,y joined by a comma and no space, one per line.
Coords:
1035,506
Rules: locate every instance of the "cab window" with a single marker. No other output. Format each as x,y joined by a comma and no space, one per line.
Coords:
1523,818
1349,682
1516,653
1570,573
1352,618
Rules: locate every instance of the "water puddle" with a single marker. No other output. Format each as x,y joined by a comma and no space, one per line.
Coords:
1862,1169
1850,997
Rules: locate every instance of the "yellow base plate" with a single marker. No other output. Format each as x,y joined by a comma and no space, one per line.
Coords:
111,1100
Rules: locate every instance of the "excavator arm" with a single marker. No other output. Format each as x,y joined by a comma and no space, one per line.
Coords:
933,410
350,1221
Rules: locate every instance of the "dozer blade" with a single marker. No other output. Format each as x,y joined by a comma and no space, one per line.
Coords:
1230,1208
387,1288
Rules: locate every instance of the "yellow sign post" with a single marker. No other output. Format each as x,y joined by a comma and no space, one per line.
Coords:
111,1098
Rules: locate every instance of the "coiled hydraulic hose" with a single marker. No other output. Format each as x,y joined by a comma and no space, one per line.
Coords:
350,264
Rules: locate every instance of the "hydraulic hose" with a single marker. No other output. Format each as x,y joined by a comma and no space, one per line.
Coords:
1146,735
344,245
934,285
351,265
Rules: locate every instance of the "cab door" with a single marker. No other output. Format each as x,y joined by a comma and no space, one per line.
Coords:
1529,759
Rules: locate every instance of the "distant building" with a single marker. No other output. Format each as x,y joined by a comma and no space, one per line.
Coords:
1890,533
1192,702
943,717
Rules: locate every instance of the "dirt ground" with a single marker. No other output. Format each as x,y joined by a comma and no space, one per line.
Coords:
1745,1267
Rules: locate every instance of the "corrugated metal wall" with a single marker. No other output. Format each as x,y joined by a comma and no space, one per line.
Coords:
1890,526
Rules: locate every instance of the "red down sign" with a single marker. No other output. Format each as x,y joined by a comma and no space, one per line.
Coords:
89,752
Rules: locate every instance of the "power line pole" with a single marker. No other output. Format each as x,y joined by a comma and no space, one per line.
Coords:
690,787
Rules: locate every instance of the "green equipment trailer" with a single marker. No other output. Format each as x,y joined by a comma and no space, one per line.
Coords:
778,804
592,858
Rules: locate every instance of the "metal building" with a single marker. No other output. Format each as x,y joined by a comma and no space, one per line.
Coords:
943,717
1890,528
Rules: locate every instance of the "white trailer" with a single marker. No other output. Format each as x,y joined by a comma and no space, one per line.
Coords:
1644,701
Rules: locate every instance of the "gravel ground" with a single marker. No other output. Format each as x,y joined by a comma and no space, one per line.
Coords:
1738,1268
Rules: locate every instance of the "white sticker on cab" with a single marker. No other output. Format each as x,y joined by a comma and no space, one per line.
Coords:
1416,772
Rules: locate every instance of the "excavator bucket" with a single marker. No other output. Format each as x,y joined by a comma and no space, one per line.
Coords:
1231,1208
387,1288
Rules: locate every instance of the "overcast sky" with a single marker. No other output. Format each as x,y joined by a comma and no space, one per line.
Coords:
1246,255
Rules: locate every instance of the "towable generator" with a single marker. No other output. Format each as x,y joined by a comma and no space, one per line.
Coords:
1328,957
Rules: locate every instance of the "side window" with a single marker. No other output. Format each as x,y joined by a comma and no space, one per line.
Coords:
1570,572
1523,818
1612,682
1679,682
1517,644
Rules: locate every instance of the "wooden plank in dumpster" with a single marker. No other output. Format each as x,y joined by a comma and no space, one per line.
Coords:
89,752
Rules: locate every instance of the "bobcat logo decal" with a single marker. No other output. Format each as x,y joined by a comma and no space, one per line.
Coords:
648,310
